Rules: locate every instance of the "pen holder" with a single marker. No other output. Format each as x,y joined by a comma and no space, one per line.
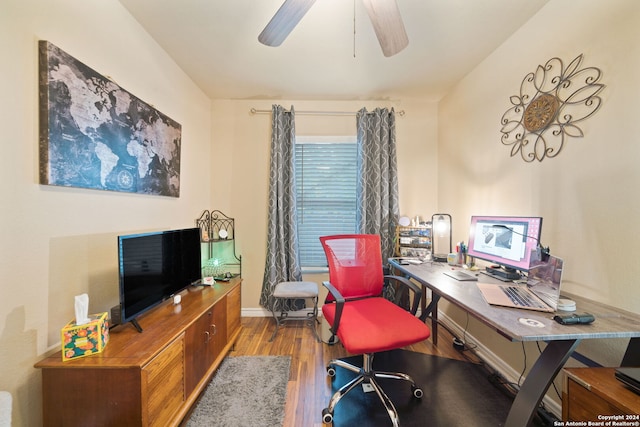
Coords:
452,258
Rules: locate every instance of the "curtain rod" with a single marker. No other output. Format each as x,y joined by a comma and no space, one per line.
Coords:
318,113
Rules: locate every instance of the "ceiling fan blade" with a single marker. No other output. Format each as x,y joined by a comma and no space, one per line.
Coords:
284,21
388,25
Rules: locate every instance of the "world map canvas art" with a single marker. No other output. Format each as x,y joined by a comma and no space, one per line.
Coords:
94,134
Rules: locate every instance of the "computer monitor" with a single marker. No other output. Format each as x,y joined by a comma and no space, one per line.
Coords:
510,242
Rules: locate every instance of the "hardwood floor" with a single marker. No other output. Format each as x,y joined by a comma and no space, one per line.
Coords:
309,388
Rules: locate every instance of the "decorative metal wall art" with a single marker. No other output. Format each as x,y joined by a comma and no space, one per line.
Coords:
552,101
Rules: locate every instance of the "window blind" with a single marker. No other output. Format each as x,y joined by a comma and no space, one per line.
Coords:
326,179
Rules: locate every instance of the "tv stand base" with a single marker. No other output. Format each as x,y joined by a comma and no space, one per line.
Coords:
136,325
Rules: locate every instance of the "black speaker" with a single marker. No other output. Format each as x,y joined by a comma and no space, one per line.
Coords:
116,317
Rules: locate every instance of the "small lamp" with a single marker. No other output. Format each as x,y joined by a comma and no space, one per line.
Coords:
440,228
214,268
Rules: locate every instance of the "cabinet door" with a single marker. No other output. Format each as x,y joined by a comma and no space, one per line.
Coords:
601,397
107,396
218,330
164,381
233,311
197,342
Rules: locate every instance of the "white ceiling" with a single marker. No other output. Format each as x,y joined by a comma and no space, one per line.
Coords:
216,43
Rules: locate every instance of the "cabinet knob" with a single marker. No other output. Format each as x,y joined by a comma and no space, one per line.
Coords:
207,336
215,329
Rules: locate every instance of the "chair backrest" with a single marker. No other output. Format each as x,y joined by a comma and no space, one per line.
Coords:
355,264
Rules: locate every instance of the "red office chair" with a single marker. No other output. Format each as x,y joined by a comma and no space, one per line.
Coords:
364,321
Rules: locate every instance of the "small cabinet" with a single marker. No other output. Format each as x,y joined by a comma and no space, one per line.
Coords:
413,241
590,393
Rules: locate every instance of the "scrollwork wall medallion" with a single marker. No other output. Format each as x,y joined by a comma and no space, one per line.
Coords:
552,101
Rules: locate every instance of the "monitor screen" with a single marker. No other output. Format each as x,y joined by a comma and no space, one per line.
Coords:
507,241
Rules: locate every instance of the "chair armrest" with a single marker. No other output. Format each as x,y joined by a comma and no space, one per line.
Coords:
339,301
417,290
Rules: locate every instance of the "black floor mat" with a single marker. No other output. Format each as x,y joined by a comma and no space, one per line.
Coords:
456,393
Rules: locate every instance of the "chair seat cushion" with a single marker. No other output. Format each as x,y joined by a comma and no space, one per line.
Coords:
296,290
376,324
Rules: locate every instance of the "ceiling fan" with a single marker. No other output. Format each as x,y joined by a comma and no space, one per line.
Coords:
384,15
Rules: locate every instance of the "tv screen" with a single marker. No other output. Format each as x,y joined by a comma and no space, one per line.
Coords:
155,266
507,241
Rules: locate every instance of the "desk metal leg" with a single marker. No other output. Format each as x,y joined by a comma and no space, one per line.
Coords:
538,380
431,309
632,355
433,305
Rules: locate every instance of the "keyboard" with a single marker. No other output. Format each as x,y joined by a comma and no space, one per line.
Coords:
460,275
520,298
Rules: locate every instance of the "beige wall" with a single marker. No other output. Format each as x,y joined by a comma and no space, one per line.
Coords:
240,159
59,242
588,194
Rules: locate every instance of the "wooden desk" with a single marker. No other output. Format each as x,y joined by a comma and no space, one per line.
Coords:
592,393
561,340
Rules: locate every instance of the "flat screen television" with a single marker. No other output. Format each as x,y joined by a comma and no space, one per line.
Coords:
509,242
154,267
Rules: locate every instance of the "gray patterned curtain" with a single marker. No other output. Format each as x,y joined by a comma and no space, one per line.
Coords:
377,195
282,263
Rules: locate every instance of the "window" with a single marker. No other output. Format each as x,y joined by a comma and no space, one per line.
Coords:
326,179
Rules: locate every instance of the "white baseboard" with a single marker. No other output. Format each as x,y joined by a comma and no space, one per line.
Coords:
255,312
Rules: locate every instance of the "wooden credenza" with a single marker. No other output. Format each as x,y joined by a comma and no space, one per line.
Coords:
150,378
595,395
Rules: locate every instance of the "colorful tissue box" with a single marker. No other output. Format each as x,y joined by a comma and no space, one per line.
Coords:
87,339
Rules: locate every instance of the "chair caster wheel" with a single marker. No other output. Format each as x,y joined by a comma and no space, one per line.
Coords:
417,392
331,371
327,417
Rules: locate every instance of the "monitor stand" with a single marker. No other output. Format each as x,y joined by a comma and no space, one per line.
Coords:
503,273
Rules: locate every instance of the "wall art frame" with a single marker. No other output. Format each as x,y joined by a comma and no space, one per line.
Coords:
96,135
552,102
